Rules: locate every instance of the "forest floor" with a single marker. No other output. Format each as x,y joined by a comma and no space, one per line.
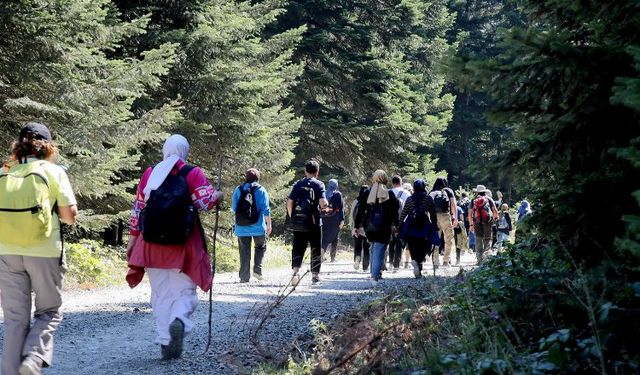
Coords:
111,330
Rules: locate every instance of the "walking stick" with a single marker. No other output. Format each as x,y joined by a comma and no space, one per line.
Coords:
213,259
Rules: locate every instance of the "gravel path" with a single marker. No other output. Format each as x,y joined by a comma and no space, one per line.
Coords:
111,331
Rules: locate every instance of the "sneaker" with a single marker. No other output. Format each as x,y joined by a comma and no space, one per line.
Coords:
258,276
395,269
244,281
356,264
416,269
315,280
31,365
375,282
176,330
295,280
446,264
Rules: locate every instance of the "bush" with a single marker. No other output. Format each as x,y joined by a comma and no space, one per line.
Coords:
89,263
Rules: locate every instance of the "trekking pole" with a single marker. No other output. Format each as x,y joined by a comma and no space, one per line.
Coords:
213,258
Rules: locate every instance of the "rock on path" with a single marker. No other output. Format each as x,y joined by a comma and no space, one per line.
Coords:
111,330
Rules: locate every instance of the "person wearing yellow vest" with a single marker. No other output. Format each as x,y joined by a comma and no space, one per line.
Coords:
35,195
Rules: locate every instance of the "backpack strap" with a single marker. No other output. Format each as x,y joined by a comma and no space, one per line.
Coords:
184,171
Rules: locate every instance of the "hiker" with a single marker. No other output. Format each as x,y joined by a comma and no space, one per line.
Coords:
332,220
494,227
499,198
250,205
523,210
306,200
166,240
504,225
396,246
460,235
379,219
419,225
31,254
446,208
360,243
482,214
406,255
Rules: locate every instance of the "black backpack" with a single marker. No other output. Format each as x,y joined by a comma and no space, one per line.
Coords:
441,200
169,215
247,209
374,219
303,216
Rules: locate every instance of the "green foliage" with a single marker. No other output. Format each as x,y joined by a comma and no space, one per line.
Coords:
371,88
57,65
553,82
90,264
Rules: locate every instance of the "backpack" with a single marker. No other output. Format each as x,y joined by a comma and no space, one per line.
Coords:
465,210
374,219
26,211
303,215
247,209
169,214
441,200
416,224
332,210
482,210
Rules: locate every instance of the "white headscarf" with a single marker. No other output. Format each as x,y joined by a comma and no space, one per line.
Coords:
175,148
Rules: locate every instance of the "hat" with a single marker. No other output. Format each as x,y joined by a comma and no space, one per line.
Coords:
480,189
35,130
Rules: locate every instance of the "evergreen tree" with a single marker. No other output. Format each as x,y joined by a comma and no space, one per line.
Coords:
371,91
57,66
554,82
231,81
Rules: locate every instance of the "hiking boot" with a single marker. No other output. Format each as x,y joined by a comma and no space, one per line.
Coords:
176,330
356,264
416,269
295,280
164,352
258,276
31,365
315,280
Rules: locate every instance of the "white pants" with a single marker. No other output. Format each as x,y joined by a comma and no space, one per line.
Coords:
173,295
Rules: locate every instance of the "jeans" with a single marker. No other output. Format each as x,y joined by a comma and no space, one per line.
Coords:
502,239
244,243
300,242
377,259
361,249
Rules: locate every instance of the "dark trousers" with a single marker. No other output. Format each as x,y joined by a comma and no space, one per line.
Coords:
300,242
418,248
361,249
334,248
395,250
260,246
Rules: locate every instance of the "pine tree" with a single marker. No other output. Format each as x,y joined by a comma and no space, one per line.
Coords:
231,81
57,66
371,91
561,83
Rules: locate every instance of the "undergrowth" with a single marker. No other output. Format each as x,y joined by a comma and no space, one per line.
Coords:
91,264
527,310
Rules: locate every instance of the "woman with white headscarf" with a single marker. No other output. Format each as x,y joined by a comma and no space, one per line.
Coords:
174,269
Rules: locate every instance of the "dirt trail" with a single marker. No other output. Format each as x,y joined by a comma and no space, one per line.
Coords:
111,330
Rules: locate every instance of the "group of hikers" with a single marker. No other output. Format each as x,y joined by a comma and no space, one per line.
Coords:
167,240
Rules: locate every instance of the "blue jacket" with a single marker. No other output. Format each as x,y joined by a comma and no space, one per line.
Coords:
262,202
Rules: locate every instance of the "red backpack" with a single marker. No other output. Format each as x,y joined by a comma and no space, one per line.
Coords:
481,210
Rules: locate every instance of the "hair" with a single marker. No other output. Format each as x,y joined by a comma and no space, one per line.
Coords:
464,194
312,167
396,180
252,175
38,148
504,207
